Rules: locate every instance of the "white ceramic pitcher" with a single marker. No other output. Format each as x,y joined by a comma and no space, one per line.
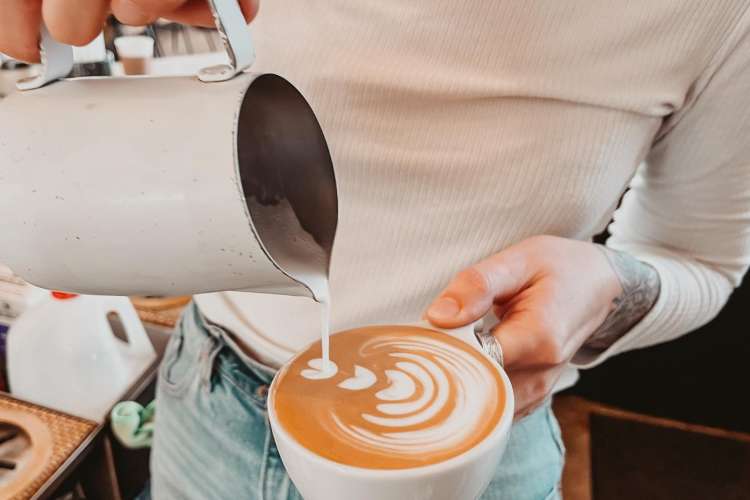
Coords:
165,186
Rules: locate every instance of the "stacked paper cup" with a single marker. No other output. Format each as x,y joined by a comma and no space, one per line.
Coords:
135,52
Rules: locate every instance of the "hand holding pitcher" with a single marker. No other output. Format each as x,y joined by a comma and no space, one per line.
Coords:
79,22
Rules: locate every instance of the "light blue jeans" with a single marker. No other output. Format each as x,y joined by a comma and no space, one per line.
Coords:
213,441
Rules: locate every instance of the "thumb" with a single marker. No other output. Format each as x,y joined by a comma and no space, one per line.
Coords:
470,295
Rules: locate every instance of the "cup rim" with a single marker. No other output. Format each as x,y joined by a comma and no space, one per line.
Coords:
501,429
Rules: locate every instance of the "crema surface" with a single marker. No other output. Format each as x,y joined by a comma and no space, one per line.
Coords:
393,397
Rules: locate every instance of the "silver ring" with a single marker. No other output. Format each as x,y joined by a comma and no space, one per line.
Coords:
491,346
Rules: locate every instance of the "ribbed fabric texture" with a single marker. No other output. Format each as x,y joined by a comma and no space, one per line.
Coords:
459,128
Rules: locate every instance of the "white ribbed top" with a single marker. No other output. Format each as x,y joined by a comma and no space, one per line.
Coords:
459,128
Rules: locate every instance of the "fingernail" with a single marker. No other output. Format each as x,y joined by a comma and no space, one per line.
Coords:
444,308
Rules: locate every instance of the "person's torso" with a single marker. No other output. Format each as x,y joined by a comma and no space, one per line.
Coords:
457,129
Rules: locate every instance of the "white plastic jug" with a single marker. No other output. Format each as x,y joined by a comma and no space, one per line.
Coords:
63,354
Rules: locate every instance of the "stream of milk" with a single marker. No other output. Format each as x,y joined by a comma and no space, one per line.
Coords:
302,258
323,367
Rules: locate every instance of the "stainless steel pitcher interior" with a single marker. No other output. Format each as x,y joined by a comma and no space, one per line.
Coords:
287,177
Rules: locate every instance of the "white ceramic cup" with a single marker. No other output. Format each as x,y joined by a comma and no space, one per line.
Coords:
464,477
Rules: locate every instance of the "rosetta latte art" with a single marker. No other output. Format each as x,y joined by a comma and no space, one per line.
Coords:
391,397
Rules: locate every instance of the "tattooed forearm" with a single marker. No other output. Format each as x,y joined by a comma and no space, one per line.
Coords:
640,289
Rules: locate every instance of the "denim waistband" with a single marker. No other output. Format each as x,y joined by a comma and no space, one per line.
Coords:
218,344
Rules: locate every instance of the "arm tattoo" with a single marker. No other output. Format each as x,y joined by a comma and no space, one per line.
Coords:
640,289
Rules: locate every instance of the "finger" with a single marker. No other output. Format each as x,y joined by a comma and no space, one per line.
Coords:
528,339
531,388
193,12
132,13
472,292
161,7
499,309
197,13
140,12
19,29
75,22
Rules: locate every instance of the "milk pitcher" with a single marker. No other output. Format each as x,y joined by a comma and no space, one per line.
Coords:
166,186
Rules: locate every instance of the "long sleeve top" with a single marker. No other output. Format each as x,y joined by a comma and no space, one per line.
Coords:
459,128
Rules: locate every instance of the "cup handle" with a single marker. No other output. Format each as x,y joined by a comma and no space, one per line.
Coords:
57,58
466,333
469,332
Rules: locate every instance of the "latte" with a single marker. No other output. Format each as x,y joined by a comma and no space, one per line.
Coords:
391,397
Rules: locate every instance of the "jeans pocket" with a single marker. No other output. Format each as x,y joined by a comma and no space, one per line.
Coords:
176,367
242,379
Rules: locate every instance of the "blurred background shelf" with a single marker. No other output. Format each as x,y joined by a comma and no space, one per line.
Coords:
614,454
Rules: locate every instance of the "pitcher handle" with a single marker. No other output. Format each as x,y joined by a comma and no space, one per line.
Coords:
237,41
57,62
57,58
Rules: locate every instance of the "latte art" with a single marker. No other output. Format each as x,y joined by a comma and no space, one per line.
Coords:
391,398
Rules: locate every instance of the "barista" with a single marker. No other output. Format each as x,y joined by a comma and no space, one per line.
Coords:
478,148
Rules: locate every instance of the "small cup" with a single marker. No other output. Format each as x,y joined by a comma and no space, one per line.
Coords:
134,53
464,476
